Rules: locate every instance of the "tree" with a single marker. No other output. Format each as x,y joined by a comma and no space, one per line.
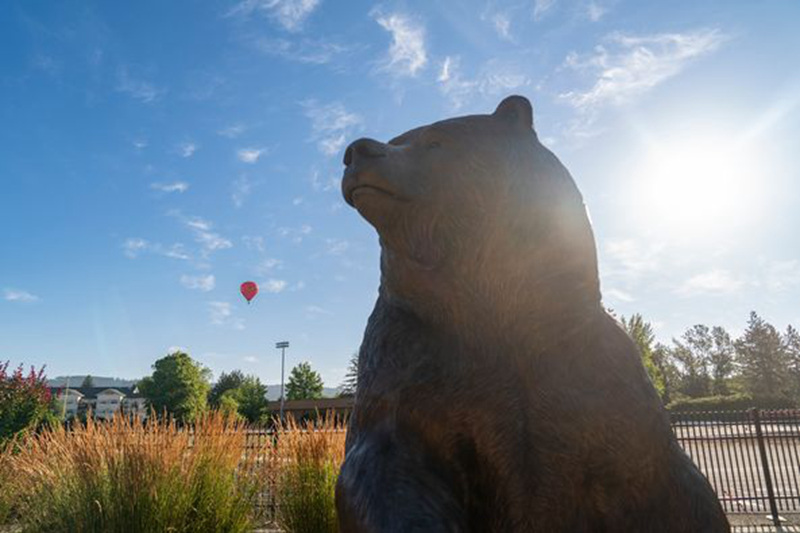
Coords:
225,383
179,386
762,358
663,360
350,381
251,396
88,382
304,383
642,334
24,402
791,345
691,355
721,360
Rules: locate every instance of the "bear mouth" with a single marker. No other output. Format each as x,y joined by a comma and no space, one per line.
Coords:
353,193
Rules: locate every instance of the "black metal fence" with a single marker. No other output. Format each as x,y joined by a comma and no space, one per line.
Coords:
752,458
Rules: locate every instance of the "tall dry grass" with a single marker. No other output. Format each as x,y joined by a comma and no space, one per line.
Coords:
128,476
306,461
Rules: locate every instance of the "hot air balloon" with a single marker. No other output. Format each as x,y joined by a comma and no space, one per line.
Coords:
249,289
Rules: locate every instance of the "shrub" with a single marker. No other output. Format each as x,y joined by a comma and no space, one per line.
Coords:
732,402
309,458
24,402
128,476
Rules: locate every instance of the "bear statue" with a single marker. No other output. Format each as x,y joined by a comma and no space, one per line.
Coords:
495,394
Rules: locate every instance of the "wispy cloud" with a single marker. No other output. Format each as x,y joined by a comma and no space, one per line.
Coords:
595,11
406,55
336,246
274,285
631,259
541,8
176,186
221,314
144,91
200,283
494,79
267,265
295,234
19,296
209,240
135,246
187,149
717,281
331,125
308,50
249,155
780,275
618,295
232,131
627,66
250,359
242,187
290,14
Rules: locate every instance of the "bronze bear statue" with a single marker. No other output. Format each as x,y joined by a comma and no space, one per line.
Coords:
495,394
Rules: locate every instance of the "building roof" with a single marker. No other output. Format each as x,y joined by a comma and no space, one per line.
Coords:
90,393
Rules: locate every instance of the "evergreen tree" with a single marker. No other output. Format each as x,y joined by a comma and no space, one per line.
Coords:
642,334
226,382
88,382
350,382
304,383
762,358
791,345
721,360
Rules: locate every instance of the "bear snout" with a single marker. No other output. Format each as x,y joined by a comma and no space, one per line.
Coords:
363,149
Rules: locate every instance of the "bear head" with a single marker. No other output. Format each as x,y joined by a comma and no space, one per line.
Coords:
477,220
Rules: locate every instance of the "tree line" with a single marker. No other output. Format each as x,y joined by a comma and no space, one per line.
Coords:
706,367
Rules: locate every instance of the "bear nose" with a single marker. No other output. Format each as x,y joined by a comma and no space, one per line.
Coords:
364,149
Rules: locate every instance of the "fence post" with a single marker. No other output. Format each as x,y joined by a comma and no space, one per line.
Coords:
762,450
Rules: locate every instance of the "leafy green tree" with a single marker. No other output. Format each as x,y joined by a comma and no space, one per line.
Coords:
179,386
228,404
226,382
691,356
721,360
88,382
642,334
350,381
791,345
663,360
762,358
304,383
251,396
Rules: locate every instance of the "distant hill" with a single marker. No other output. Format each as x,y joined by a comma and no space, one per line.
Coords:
274,392
99,381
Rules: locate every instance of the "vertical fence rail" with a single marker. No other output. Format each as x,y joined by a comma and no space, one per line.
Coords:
751,458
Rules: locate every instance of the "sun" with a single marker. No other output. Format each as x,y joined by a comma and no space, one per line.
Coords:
696,184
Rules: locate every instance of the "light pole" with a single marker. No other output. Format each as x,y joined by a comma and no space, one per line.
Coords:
282,345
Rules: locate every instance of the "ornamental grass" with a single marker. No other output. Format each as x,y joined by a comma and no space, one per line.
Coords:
131,476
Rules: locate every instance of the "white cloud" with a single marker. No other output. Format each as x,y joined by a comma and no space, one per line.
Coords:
407,54
187,149
274,285
337,246
781,275
618,294
221,314
315,310
630,258
311,51
141,90
200,283
176,186
495,78
267,265
209,241
295,234
595,11
20,296
140,144
232,131
542,8
502,25
133,247
250,359
291,14
249,155
716,281
627,66
241,188
331,125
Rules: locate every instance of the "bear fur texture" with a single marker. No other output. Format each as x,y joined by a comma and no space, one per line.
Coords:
495,394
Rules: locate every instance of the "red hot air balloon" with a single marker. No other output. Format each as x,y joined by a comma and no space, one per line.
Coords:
249,289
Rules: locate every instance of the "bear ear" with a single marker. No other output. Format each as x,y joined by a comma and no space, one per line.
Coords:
516,110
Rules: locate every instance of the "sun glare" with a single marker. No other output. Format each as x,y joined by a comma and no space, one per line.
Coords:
697,185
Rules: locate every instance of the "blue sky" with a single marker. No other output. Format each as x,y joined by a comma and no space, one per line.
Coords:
157,154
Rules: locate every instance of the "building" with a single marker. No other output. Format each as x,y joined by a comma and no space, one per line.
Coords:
102,402
301,410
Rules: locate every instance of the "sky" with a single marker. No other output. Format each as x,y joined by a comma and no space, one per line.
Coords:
154,155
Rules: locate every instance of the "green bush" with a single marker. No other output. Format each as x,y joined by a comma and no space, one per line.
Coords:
731,402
